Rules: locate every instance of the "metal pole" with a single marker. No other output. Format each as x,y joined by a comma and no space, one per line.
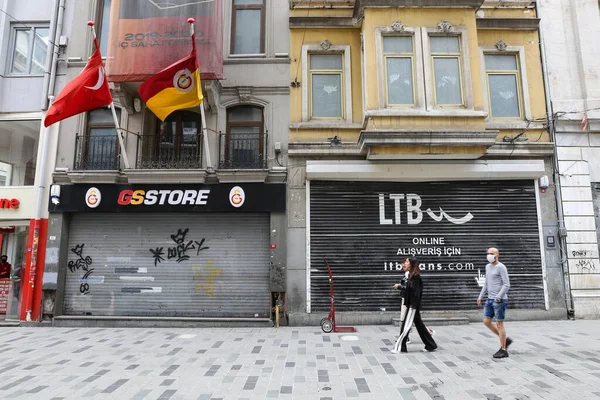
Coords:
114,114
51,55
119,135
28,301
202,115
205,137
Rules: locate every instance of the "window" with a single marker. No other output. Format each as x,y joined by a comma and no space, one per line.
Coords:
398,53
326,84
503,85
29,48
244,145
326,92
446,64
423,71
104,18
248,27
99,148
179,140
18,152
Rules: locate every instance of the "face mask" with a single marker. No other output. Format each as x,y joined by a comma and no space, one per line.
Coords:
491,258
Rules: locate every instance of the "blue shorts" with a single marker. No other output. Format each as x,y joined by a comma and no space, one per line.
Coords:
492,309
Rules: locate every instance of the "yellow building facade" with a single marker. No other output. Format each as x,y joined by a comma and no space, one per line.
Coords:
417,129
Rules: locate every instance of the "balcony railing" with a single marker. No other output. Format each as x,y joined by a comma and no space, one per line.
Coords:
243,151
97,152
180,153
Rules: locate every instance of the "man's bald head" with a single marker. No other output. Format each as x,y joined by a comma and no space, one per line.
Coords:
494,251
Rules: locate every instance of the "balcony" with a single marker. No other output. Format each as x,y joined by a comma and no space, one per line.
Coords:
165,158
243,151
156,152
97,153
242,157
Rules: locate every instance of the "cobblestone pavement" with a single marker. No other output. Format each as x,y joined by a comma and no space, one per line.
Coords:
548,360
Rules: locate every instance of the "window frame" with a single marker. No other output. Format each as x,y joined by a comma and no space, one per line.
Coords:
451,56
346,82
464,68
100,125
100,28
234,9
178,144
13,43
259,124
418,86
328,72
516,73
508,123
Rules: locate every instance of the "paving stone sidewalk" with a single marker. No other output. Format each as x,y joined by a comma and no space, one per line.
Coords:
548,360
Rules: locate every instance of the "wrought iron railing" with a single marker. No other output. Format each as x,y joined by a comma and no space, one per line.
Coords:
97,152
156,152
243,151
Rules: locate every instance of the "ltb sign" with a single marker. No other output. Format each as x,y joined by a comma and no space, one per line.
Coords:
414,215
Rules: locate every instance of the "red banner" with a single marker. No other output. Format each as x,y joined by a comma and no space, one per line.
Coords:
4,289
147,36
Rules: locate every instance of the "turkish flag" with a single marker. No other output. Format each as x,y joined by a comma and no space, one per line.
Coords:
84,93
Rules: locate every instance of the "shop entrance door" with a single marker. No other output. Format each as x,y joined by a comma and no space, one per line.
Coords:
14,245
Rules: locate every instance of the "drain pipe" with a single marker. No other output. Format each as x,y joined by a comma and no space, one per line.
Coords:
49,88
50,80
562,233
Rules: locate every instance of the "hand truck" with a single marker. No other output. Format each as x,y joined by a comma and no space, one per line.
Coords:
328,324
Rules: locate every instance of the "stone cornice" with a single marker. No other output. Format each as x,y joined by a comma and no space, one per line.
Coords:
521,24
323,22
426,138
360,5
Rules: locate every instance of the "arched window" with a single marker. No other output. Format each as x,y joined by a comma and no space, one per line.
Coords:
99,149
245,142
176,144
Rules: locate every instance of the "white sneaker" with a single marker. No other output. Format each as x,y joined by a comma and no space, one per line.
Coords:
394,351
431,331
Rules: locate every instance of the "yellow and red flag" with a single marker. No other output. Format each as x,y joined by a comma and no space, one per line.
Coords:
175,87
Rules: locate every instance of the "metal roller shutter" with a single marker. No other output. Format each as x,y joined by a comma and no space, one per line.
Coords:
363,237
118,274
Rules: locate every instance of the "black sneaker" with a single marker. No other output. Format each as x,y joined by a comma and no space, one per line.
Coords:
508,342
501,354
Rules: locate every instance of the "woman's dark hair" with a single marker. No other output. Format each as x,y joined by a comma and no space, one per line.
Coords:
414,267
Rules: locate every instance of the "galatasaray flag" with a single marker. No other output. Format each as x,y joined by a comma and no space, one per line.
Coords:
84,93
175,87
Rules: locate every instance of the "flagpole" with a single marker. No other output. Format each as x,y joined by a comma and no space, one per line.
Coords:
29,287
202,115
114,115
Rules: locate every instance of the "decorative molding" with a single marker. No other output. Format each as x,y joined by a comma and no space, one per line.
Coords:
444,26
501,45
325,44
124,98
166,175
245,94
397,26
312,149
232,176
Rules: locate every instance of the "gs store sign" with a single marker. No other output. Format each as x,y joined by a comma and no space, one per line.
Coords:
250,197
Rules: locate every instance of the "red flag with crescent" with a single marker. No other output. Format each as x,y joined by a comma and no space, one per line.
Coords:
86,92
